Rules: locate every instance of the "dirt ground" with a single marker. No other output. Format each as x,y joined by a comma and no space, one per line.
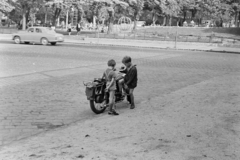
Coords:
198,122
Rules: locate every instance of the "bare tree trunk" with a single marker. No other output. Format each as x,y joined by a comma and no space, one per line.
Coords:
237,19
56,15
178,21
27,15
110,25
167,20
79,15
135,25
154,18
236,16
111,19
221,22
184,16
194,11
164,21
24,21
199,21
170,20
135,21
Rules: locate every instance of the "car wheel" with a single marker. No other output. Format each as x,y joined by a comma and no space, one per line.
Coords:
17,40
53,43
44,41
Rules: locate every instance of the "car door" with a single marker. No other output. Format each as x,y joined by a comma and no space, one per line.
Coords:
27,36
38,34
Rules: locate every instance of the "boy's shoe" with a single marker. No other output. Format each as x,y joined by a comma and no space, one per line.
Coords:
113,112
132,107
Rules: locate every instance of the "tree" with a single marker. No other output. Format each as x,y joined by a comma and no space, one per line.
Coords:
65,6
5,6
111,6
98,10
155,7
24,7
135,10
57,8
235,5
171,9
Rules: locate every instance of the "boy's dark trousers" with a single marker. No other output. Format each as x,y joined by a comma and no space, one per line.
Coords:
132,98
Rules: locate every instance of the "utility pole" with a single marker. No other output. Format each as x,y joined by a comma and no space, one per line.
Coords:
46,14
67,19
175,46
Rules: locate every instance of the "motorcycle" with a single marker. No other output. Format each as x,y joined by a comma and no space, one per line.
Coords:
98,96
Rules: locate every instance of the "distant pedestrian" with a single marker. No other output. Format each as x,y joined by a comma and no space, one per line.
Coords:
69,29
78,28
102,31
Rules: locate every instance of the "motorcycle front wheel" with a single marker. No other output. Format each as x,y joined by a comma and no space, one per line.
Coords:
97,107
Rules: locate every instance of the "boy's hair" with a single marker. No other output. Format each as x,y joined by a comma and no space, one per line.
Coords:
126,59
111,63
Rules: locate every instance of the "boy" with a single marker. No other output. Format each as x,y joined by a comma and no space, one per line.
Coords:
110,76
130,79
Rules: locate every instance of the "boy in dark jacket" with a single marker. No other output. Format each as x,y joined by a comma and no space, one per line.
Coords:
130,79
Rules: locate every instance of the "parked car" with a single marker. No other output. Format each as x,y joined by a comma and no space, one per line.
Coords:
43,35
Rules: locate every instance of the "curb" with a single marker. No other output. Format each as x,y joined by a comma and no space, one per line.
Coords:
115,45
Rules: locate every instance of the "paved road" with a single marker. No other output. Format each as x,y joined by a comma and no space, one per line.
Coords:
41,86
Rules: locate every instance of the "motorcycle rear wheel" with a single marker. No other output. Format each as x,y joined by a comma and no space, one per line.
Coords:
97,108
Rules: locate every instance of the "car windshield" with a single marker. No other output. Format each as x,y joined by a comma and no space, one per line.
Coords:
49,30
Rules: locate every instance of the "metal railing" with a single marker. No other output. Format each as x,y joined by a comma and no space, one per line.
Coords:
212,38
8,30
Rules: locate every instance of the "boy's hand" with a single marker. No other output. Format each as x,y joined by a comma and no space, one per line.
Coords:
125,86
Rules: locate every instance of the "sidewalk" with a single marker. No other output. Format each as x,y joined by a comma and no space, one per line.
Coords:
145,43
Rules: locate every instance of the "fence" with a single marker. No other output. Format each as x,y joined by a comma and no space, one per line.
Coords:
154,36
8,30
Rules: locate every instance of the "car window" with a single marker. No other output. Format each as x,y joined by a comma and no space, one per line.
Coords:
49,30
38,30
30,30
